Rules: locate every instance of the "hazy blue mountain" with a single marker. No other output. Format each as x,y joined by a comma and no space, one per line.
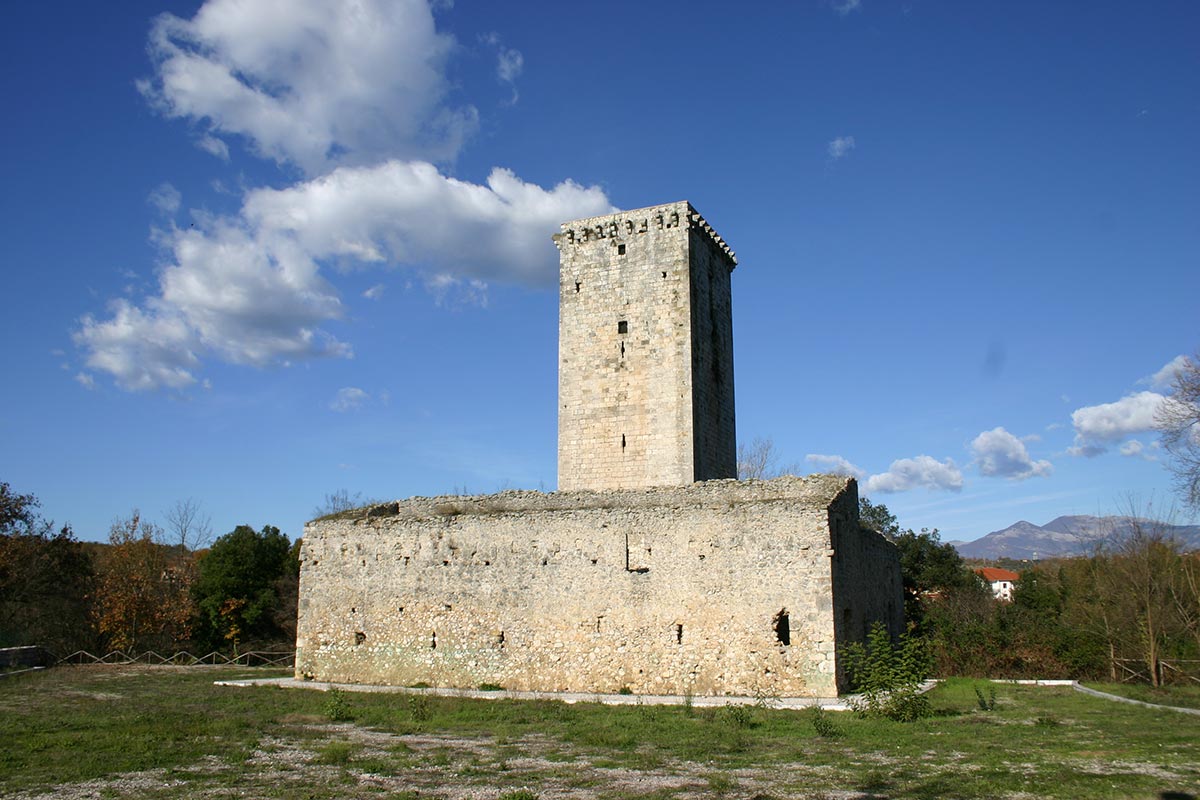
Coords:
1066,536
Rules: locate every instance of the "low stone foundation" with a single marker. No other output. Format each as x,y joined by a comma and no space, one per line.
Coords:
721,587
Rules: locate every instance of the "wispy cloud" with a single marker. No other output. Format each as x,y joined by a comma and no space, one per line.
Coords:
840,147
834,465
166,199
349,398
844,7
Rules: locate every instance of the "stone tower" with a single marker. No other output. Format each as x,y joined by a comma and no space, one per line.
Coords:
645,347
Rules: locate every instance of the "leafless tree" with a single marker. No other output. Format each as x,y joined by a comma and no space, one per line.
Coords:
188,526
1178,419
340,501
1144,570
759,460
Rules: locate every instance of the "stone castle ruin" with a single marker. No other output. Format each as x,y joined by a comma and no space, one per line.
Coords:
652,568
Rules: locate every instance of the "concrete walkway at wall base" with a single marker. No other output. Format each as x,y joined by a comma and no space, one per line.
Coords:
845,703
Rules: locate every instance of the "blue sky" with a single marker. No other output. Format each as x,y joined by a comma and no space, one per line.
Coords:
252,258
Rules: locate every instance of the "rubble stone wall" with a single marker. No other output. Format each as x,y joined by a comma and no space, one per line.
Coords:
721,587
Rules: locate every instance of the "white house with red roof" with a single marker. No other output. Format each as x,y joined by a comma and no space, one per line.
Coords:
1001,581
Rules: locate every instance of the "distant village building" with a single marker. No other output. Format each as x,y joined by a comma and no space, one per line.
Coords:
1002,581
652,569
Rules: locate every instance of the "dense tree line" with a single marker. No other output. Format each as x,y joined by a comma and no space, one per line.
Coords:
1129,607
146,589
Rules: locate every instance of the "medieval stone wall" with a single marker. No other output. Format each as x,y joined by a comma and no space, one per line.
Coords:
645,351
722,587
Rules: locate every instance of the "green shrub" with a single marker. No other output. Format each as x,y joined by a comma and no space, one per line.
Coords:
823,723
888,675
337,707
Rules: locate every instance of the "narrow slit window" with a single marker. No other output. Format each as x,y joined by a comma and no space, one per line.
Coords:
578,284
622,441
679,633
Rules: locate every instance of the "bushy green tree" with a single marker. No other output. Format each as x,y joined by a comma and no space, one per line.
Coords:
888,675
45,579
236,591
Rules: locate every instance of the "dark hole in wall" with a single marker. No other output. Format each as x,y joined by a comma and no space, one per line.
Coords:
623,326
620,249
359,638
622,441
433,641
783,627
577,285
500,640
678,633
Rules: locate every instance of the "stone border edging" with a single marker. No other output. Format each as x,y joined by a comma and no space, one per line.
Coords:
19,672
1077,686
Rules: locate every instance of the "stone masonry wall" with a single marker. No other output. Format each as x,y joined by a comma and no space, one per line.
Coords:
722,587
645,351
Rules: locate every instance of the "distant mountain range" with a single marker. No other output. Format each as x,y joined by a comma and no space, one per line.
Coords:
1065,536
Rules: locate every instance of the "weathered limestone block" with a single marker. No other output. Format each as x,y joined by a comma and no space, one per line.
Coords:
721,587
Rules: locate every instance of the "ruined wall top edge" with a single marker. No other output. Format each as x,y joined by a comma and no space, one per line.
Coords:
682,208
814,491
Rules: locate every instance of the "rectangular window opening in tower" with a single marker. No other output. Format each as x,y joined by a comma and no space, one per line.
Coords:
622,327
620,249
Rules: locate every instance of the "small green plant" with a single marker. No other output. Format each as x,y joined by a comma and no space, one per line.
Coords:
490,687
624,690
419,685
823,723
739,716
337,753
720,783
418,707
1047,722
986,702
337,707
689,706
888,676
519,794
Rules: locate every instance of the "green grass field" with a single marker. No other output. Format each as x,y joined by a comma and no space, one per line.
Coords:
74,732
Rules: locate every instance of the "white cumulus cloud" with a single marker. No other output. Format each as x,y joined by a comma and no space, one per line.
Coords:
916,473
312,82
354,93
834,465
999,454
249,288
1097,427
